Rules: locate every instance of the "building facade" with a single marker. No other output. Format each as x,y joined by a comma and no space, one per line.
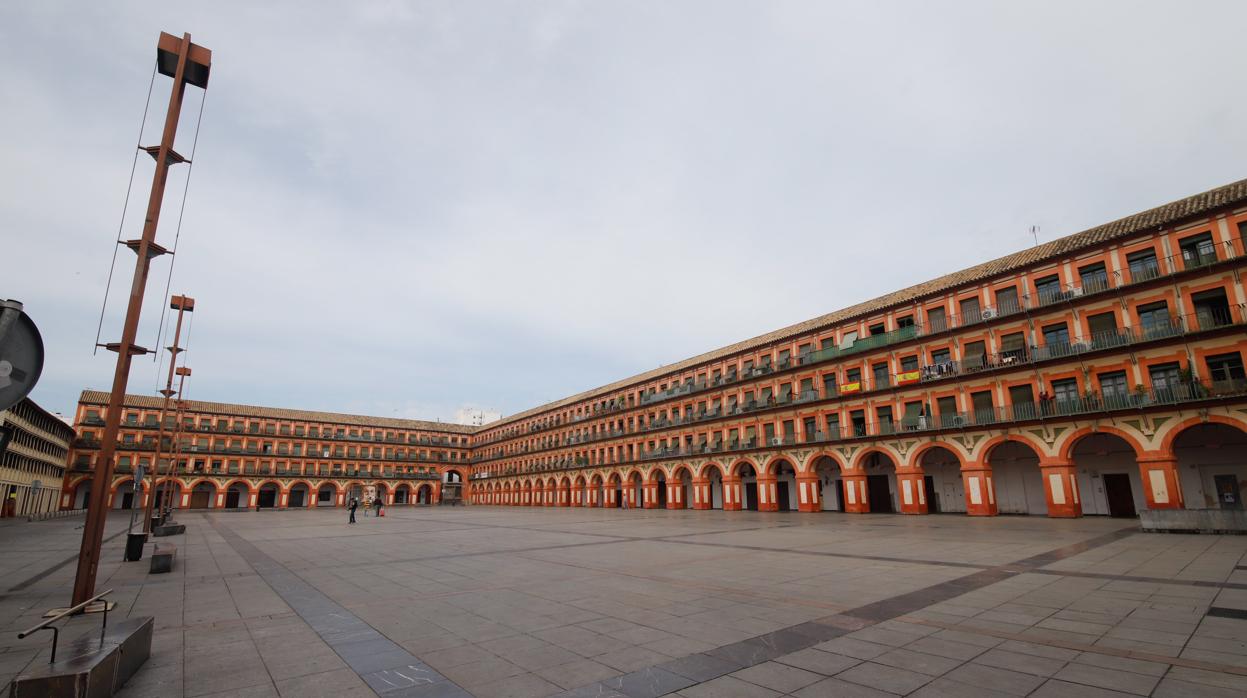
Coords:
33,466
238,456
1101,373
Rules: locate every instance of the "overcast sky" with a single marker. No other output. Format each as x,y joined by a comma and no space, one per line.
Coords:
402,208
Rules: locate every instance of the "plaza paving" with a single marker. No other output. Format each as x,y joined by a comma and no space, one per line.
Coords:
489,601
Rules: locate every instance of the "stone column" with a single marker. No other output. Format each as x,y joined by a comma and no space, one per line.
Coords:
912,493
1160,481
731,493
650,490
1061,489
807,493
980,492
767,492
701,494
856,500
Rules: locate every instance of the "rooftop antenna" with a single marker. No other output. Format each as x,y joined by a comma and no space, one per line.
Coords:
1035,234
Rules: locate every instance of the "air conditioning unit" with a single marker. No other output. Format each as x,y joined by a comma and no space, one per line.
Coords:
989,313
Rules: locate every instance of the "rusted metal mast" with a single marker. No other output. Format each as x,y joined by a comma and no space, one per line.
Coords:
182,304
187,64
183,372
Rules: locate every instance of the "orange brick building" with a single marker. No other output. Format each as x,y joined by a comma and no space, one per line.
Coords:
1101,373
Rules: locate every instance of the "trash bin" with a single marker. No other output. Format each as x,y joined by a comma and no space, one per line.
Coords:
156,521
134,546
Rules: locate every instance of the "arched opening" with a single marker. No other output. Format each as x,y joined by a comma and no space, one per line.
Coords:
597,487
380,491
203,496
785,485
82,494
327,495
682,489
1212,462
830,486
1018,482
236,496
402,494
298,496
424,494
564,493
715,476
945,490
660,492
636,492
127,495
1108,476
880,482
579,493
748,486
267,496
168,494
355,491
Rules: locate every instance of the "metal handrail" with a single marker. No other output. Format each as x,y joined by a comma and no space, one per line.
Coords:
56,632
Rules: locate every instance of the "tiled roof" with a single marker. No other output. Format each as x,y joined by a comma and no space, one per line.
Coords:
99,397
1161,216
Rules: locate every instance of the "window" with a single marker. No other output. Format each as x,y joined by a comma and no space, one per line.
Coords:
905,321
909,363
1065,392
974,355
1007,300
858,418
881,375
1114,388
1225,368
1103,327
970,311
1154,319
1048,289
1094,277
1142,265
940,356
1013,348
883,416
785,357
829,384
1166,379
853,375
878,328
984,409
833,426
827,343
947,407
1022,400
1197,250
1054,335
936,319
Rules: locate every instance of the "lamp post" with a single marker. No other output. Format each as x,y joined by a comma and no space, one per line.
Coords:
182,304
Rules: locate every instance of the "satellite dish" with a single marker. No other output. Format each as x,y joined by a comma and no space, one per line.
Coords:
21,354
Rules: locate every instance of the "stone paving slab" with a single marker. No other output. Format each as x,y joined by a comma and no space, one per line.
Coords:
533,602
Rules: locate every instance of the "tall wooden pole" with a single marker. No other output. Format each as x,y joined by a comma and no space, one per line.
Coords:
182,304
145,248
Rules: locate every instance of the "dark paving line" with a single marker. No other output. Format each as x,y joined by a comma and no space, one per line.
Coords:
1145,580
1221,612
27,582
388,669
679,674
850,556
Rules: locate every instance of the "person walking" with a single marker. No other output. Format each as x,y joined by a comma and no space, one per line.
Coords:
353,506
380,503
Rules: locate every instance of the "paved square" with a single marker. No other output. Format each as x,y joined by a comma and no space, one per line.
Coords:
488,601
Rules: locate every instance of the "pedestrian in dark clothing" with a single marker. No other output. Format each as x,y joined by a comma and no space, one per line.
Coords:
379,504
353,506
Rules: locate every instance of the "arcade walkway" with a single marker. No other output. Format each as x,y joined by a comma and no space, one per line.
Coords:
492,601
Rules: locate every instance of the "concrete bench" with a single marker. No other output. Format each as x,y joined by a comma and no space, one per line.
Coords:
162,558
90,666
168,529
